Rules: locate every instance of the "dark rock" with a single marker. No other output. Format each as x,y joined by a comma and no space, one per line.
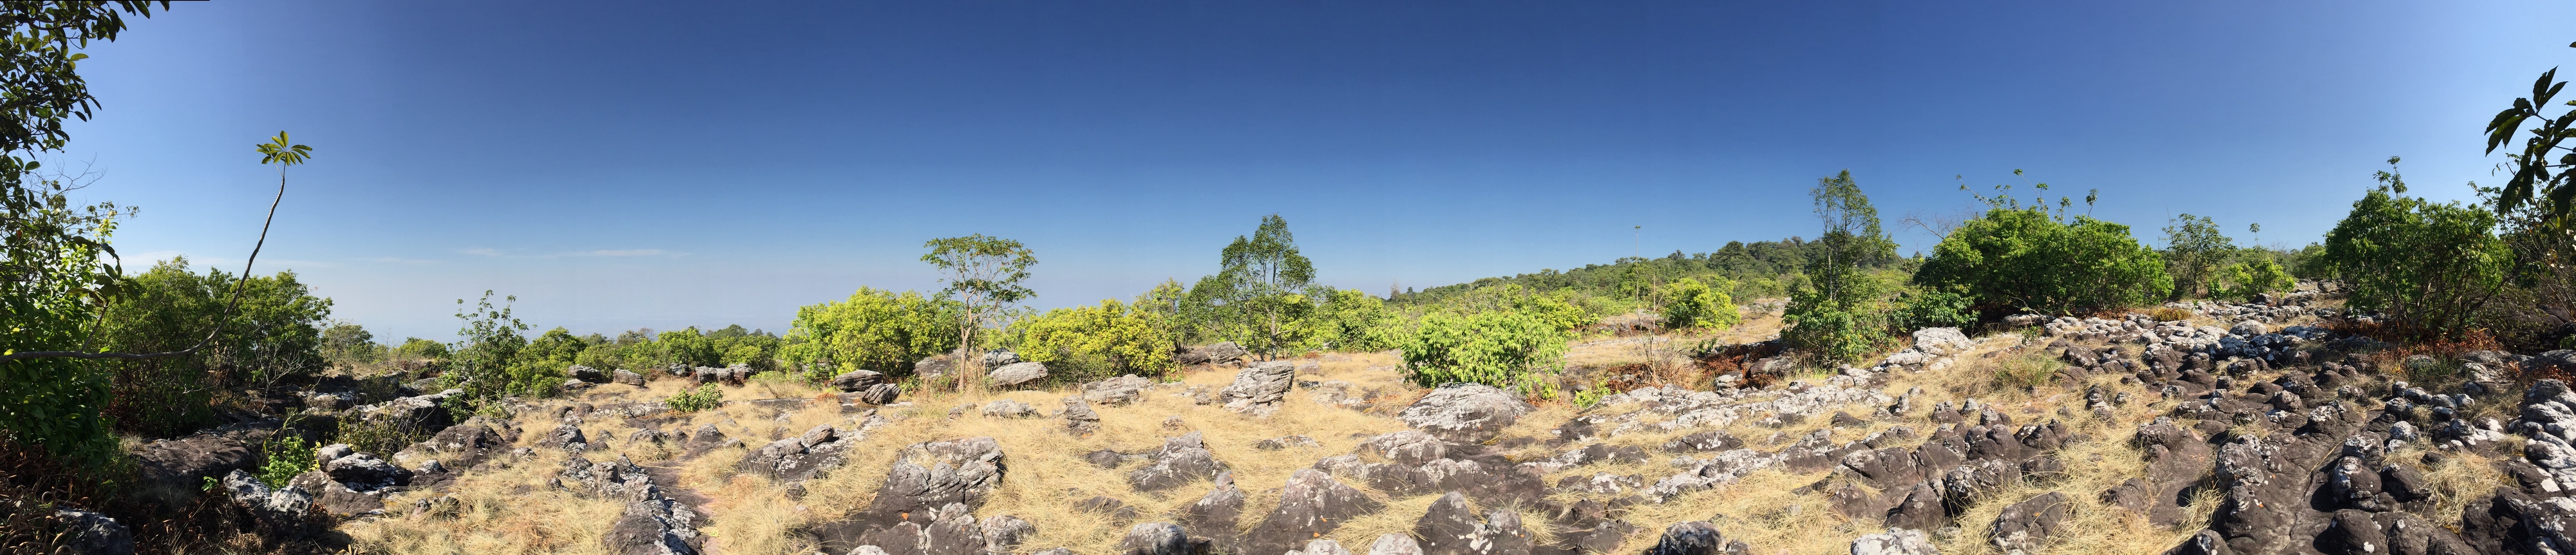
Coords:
2022,527
586,374
1004,533
1079,418
881,394
925,477
1215,515
1311,505
1180,461
628,378
172,471
1696,538
1450,527
1406,447
88,533
2352,533
857,380
1703,442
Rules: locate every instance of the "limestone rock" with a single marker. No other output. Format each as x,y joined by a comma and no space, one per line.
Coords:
1311,505
1017,373
1259,389
1465,413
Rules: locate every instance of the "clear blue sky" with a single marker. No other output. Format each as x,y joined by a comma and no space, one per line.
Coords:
663,164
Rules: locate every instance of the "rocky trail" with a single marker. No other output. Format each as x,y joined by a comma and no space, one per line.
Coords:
2249,430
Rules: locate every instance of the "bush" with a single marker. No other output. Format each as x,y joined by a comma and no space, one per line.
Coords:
1501,349
2243,280
873,330
1351,321
1695,305
704,397
2426,265
2014,259
1090,342
1934,309
275,335
1833,334
288,456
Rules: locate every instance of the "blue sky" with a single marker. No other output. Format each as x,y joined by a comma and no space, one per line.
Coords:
663,164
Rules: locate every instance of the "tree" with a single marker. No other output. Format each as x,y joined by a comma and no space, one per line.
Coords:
2194,250
1501,349
486,345
1092,342
1259,289
2025,259
1696,305
1350,320
2428,266
346,342
1835,315
2540,172
873,329
2255,275
984,275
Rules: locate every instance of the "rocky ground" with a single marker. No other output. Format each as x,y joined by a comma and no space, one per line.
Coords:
2248,429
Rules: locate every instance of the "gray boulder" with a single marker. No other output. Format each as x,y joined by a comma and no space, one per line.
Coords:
881,394
628,378
586,374
1942,341
1006,408
1016,373
1180,461
1321,546
89,533
1465,413
1003,533
1696,538
1450,527
1000,358
1079,418
1118,391
1258,389
365,472
1896,541
1395,544
1219,353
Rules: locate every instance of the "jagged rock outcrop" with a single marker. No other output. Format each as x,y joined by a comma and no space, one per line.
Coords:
1465,413
1215,515
925,478
1079,419
857,380
1179,461
1116,392
1259,388
1311,505
1450,527
820,450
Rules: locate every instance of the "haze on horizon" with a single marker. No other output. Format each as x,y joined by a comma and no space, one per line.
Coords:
664,164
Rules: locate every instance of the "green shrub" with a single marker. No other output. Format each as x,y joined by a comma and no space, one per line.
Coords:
1351,321
2424,264
704,397
873,330
2243,280
1834,335
1501,349
288,456
381,435
1934,309
275,335
2014,259
1695,305
2194,249
1091,342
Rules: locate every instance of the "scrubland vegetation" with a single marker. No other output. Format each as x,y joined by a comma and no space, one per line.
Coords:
2023,313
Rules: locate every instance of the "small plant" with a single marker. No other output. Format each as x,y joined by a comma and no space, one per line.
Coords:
704,397
1590,396
287,457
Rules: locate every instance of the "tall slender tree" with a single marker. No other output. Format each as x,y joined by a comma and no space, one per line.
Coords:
984,276
1260,288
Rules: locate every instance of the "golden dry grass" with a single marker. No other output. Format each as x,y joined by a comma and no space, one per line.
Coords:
1046,474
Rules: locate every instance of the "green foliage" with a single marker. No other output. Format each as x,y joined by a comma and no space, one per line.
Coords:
984,277
1838,314
2255,275
414,348
346,343
1694,305
1934,309
1259,291
273,336
1501,349
2541,173
704,397
1351,321
2424,264
873,330
2194,249
2025,259
380,435
1758,269
59,270
485,360
288,456
1091,342
687,347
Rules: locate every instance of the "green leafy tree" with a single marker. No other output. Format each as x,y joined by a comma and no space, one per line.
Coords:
2254,275
1169,305
2194,251
1091,342
872,330
1934,309
481,360
1836,315
1695,305
984,276
349,344
1501,349
2016,258
275,336
687,348
2427,265
2541,168
417,349
1259,290
1351,321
